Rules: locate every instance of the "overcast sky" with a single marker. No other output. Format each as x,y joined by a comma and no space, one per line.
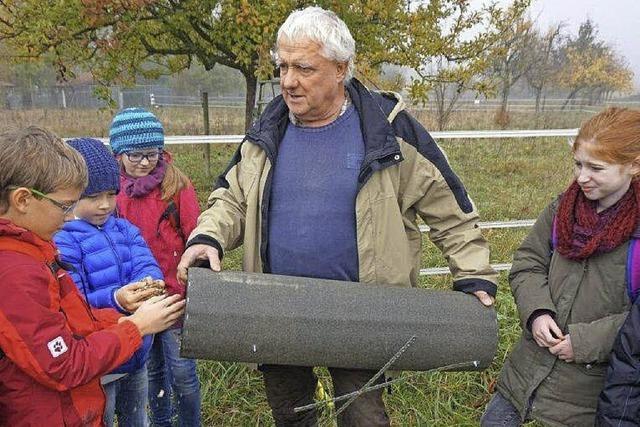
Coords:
618,23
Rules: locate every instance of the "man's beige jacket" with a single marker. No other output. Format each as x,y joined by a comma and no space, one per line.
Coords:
404,175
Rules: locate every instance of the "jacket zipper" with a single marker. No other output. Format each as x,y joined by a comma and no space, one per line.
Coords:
264,200
115,253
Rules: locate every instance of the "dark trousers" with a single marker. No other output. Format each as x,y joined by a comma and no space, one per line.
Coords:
288,387
500,413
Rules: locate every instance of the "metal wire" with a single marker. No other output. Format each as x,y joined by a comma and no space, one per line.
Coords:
471,364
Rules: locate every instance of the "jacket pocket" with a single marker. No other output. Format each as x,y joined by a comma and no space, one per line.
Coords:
593,369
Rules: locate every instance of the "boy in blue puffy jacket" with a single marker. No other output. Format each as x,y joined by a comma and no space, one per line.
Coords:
111,265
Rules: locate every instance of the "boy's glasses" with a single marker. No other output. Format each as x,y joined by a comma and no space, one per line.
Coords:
136,157
65,208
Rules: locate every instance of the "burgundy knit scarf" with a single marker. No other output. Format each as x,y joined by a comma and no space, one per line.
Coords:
583,232
139,187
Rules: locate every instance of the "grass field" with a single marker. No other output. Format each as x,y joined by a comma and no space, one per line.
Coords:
507,179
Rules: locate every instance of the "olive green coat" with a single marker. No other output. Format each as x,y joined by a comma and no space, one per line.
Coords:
590,303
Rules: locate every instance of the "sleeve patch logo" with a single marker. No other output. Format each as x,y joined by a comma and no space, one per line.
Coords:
57,346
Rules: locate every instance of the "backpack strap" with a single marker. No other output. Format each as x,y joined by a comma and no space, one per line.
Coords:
633,269
172,214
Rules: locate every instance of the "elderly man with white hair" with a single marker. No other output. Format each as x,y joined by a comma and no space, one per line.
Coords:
329,183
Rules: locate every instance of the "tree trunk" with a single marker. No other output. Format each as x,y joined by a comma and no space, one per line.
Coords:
440,91
502,117
538,91
506,89
250,100
569,98
443,118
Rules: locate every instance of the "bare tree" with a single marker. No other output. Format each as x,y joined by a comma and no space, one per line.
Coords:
453,83
513,60
545,61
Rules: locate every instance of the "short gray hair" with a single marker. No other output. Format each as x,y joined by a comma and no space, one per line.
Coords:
325,28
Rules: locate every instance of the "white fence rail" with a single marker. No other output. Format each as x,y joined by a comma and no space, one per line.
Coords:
441,271
516,223
456,134
461,134
528,105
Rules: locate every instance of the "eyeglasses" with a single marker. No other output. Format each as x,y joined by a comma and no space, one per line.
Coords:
136,157
65,208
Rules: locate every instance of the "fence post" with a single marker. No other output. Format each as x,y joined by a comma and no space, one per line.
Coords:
120,99
207,147
64,98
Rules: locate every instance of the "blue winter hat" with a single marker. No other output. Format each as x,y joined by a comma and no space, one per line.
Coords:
104,171
134,129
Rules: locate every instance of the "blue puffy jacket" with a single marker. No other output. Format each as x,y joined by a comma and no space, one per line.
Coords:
104,259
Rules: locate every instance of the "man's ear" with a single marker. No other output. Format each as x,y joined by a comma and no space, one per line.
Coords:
19,199
341,70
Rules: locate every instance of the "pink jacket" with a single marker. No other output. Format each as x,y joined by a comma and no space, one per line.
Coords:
165,241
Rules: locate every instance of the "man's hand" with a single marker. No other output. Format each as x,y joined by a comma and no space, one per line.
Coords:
546,332
193,254
563,350
484,298
132,295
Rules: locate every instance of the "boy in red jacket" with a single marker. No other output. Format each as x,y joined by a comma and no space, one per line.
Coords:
53,347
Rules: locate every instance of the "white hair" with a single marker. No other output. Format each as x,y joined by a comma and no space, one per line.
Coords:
325,28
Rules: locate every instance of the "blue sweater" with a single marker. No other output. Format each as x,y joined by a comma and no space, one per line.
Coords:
104,259
312,219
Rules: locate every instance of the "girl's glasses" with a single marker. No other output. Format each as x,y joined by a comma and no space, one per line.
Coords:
136,157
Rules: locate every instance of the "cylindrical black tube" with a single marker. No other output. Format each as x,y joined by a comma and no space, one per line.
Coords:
260,318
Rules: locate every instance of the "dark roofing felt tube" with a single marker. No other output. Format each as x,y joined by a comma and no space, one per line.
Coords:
259,318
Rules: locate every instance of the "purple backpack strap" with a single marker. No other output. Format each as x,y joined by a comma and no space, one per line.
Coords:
633,269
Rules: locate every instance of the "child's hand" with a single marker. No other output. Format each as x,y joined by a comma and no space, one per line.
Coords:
157,313
563,350
132,295
545,331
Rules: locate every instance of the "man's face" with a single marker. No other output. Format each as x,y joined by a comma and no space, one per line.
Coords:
312,86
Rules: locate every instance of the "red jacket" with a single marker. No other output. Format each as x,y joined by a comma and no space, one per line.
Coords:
163,238
55,348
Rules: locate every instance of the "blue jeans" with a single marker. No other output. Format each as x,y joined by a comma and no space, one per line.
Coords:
172,378
500,413
127,397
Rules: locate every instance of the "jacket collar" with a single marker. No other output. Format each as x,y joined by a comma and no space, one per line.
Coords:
381,146
9,230
80,225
